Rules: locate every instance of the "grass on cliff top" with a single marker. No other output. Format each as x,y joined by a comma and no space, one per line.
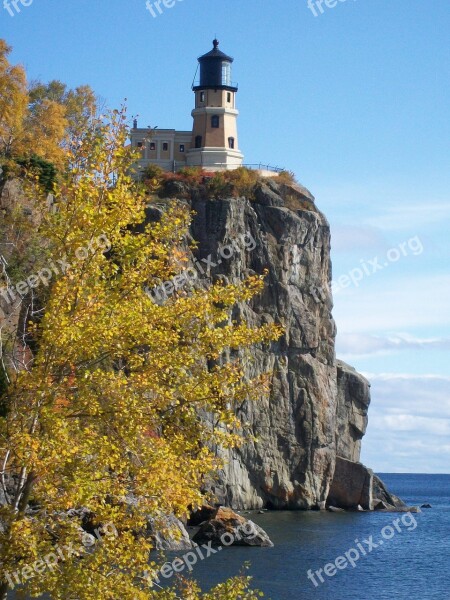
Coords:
222,184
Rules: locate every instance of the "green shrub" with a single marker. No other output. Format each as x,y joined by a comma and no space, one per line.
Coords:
153,172
46,171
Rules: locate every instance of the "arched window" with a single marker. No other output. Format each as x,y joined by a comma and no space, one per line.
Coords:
231,142
215,122
198,141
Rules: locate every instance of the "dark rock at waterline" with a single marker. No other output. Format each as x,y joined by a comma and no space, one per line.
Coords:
381,493
351,486
400,509
227,528
426,506
355,487
381,506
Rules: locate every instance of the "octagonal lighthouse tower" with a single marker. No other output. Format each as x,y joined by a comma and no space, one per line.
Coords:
214,136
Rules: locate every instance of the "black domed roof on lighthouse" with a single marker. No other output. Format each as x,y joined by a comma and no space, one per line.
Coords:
215,53
215,70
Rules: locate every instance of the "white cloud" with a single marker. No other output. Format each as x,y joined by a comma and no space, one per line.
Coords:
410,216
409,423
412,423
357,345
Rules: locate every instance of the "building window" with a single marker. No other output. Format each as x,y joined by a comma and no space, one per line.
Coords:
229,97
198,141
139,144
226,73
181,147
152,146
165,146
215,121
231,142
202,96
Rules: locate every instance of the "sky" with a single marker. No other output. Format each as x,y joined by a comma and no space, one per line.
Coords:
353,97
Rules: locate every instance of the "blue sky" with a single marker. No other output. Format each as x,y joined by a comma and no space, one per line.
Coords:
355,101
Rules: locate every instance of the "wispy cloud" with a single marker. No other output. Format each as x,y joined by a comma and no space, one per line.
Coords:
410,419
352,345
410,216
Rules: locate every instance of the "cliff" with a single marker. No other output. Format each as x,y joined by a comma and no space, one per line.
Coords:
316,413
306,435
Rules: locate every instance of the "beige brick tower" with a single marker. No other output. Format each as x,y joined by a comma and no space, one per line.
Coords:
214,137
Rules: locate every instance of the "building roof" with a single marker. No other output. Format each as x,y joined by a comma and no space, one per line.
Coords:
216,53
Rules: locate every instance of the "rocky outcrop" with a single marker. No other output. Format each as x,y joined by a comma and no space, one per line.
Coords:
306,435
317,407
226,528
291,463
381,495
355,486
353,400
352,485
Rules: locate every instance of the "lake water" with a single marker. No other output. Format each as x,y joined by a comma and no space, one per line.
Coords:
413,565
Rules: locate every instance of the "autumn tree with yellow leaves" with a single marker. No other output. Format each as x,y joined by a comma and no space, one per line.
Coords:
105,414
39,119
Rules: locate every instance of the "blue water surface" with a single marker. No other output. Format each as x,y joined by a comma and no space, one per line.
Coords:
413,565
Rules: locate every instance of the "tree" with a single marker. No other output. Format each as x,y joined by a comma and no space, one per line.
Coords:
106,413
45,127
80,105
40,119
13,102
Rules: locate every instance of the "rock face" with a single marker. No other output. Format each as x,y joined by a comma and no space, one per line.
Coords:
226,528
352,485
381,494
292,462
353,402
316,415
307,433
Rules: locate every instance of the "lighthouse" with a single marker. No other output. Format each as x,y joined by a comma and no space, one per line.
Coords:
214,143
